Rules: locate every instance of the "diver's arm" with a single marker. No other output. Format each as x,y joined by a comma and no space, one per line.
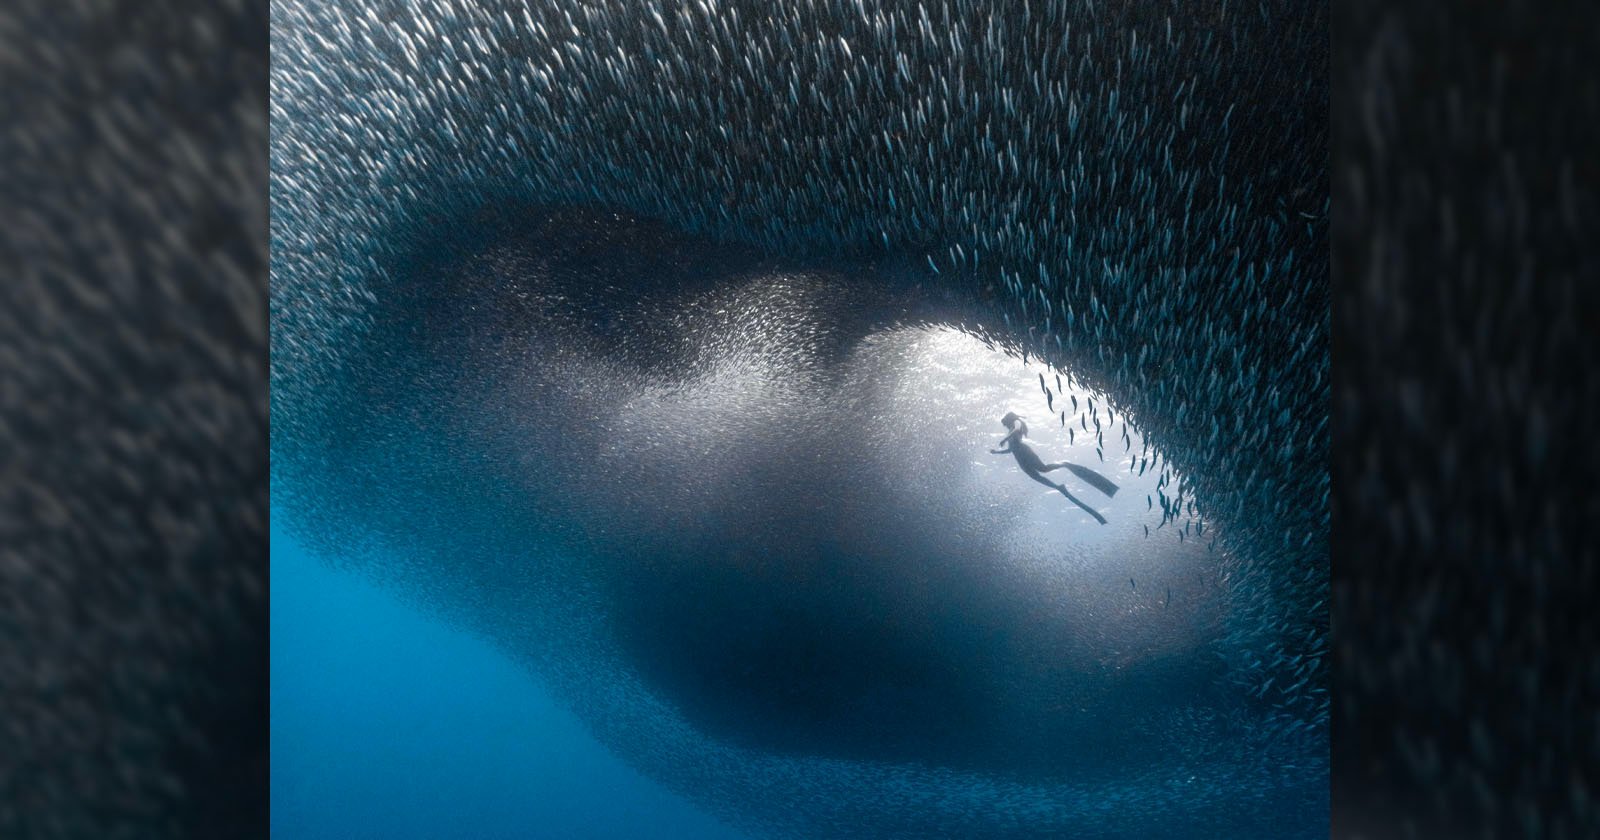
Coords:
1007,443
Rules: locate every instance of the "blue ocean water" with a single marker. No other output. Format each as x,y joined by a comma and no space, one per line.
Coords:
387,723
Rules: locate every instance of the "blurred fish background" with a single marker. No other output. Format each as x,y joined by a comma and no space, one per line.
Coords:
1466,673
133,645
133,420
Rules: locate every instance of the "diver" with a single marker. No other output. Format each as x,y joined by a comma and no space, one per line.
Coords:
1035,467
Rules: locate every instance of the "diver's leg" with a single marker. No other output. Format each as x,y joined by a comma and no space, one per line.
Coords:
1042,480
1062,489
1089,510
1095,480
1049,467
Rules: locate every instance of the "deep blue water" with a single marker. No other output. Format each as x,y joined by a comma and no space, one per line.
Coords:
387,723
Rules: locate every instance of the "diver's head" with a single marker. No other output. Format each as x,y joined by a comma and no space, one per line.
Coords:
1011,421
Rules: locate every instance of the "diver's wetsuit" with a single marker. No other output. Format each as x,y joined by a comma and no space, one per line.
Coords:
1027,459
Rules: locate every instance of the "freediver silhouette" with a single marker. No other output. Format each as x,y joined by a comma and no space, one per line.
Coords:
1035,467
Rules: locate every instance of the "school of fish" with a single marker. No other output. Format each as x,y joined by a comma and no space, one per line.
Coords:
1137,191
